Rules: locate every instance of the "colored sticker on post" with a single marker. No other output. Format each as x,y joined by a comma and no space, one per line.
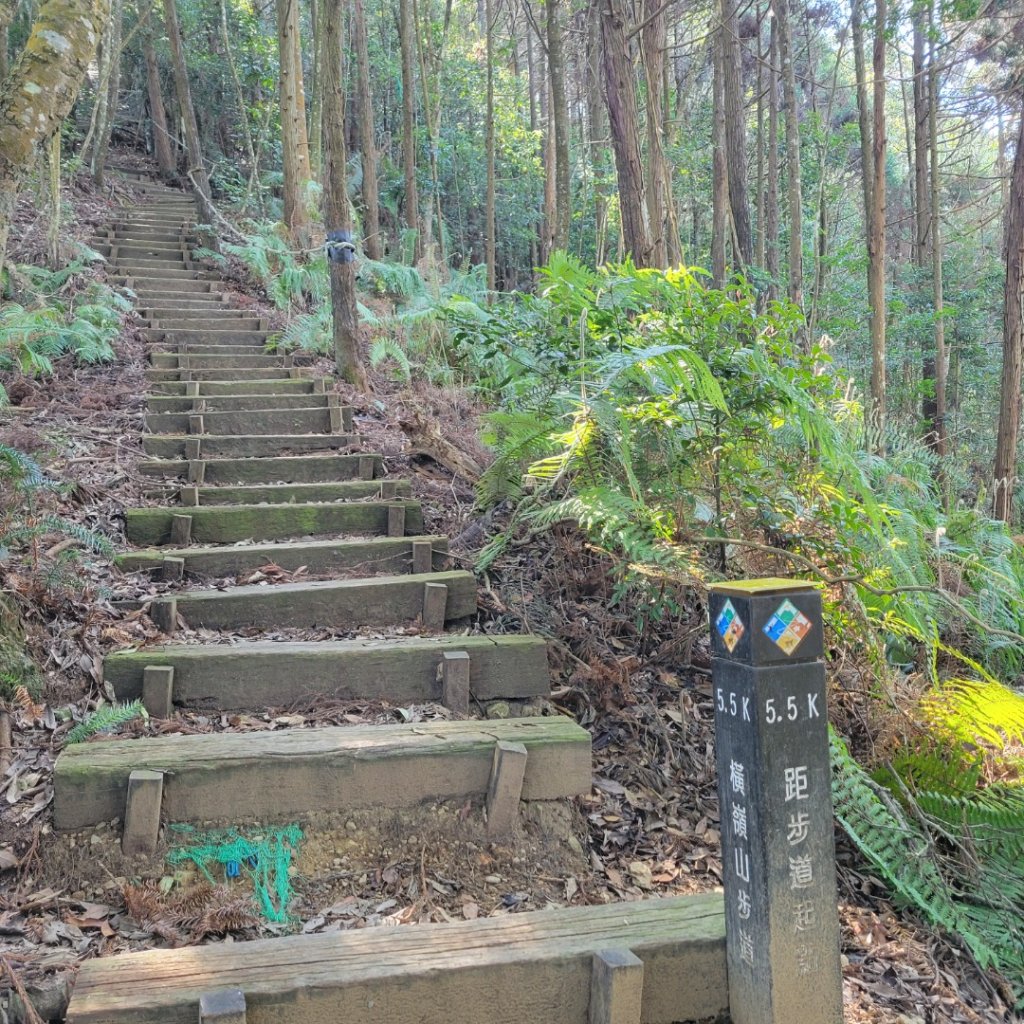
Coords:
730,626
787,627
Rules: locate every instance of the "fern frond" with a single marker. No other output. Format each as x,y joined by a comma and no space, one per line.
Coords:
106,718
385,348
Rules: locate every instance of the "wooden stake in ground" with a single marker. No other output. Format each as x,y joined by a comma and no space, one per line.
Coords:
337,212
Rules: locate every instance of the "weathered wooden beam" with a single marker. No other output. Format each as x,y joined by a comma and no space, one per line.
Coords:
180,529
510,969
455,666
422,556
435,606
158,690
172,569
277,776
164,613
396,518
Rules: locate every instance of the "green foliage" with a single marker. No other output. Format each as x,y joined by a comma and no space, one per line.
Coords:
384,349
106,719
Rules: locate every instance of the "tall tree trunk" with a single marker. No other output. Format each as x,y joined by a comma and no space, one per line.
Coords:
620,95
922,204
736,132
243,112
110,99
372,241
939,419
550,159
771,215
558,115
196,168
316,105
294,138
653,44
40,89
337,210
411,204
720,166
867,175
490,226
157,111
793,172
759,197
1013,343
598,168
876,237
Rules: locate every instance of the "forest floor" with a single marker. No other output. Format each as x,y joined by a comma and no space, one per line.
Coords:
649,828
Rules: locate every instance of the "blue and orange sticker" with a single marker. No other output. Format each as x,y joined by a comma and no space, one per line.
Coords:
730,626
787,627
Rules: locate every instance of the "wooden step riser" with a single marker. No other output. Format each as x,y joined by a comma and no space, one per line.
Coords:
261,674
164,274
286,421
282,386
171,267
219,339
287,494
373,555
163,404
196,349
510,969
238,374
217,324
130,252
244,361
377,601
215,524
294,469
278,776
211,310
209,337
150,288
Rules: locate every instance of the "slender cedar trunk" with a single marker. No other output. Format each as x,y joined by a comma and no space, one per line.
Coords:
876,237
867,169
243,112
771,215
821,237
736,133
536,259
762,59
372,241
411,205
793,173
53,233
490,225
670,123
39,91
5,64
196,169
939,420
620,95
337,211
432,116
316,92
157,111
294,139
922,204
547,227
111,95
720,168
1013,342
595,117
558,116
653,41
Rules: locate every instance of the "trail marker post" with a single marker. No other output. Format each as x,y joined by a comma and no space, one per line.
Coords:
774,791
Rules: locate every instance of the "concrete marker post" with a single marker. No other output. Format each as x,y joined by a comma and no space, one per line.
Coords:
435,606
142,812
505,789
158,690
396,519
422,556
774,788
455,667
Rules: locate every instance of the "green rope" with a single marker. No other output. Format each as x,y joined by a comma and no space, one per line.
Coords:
265,859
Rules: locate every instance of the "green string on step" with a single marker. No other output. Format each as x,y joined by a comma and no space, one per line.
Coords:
265,858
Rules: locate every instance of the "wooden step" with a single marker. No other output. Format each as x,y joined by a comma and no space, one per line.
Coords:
211,310
280,386
281,775
187,283
511,969
367,555
259,674
168,404
293,469
232,321
287,494
175,446
157,376
244,361
382,601
220,336
228,524
254,421
163,274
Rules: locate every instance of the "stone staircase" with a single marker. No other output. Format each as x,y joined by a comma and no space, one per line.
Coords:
254,461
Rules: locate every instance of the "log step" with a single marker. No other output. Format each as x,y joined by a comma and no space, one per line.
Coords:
281,775
173,446
293,469
228,524
216,323
327,604
261,674
291,494
167,360
205,337
251,421
166,404
510,969
368,555
207,388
